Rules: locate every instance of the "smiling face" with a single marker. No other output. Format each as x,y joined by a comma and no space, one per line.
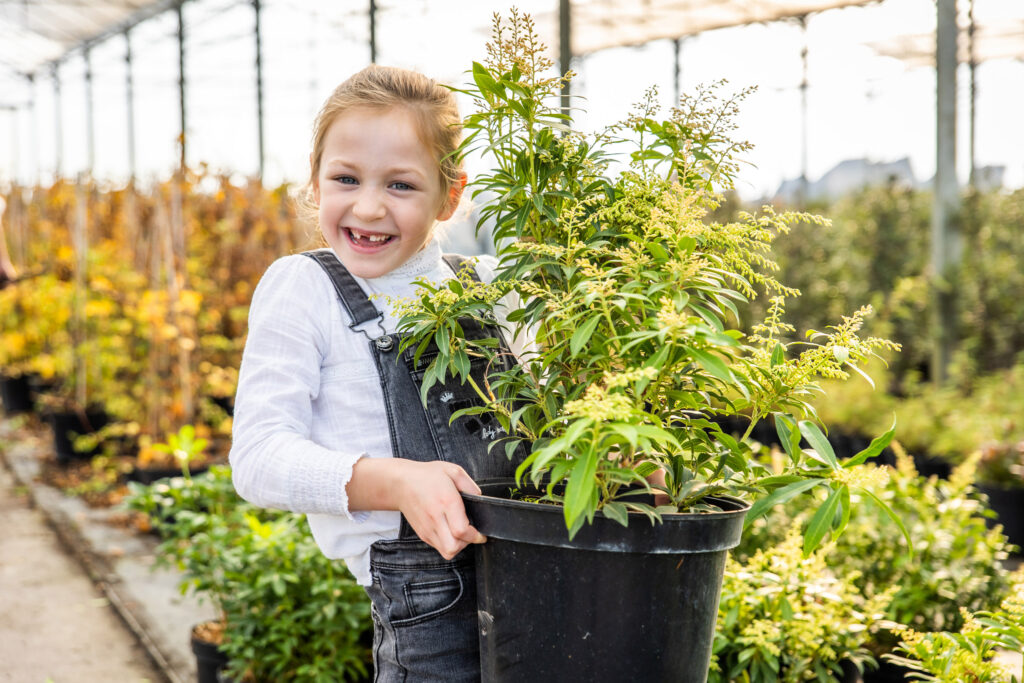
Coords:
379,190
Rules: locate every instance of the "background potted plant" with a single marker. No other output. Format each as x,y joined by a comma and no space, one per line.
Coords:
784,617
970,654
634,301
957,564
286,612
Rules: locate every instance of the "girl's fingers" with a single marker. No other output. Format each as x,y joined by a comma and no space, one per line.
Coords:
463,482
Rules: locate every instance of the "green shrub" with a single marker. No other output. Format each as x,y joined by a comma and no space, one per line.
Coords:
969,654
985,415
783,617
877,251
956,563
289,613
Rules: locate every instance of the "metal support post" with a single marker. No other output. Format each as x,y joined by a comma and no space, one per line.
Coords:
58,140
181,82
677,69
373,31
802,20
565,48
34,135
973,64
944,246
129,89
259,87
90,126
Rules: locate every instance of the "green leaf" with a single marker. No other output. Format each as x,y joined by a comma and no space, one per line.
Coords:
617,511
822,521
823,452
862,374
483,79
891,514
778,354
712,364
877,445
789,435
581,487
778,497
443,339
583,334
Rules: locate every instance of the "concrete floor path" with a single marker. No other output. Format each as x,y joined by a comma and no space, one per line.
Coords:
80,600
55,624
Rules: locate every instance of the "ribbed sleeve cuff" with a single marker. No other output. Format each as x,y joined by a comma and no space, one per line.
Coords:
318,484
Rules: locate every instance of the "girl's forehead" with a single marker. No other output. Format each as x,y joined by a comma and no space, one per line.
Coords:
389,130
378,138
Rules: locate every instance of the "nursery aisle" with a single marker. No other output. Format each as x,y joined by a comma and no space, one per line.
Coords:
54,623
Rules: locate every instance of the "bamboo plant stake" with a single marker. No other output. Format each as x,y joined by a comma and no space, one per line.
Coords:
174,247
156,355
80,241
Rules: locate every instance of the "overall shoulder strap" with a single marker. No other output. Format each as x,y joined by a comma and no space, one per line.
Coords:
353,299
457,261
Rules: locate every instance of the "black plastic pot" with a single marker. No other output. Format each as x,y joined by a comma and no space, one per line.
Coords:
210,662
66,425
1008,504
887,672
16,394
149,475
614,604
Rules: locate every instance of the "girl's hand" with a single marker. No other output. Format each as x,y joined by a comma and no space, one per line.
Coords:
427,493
431,503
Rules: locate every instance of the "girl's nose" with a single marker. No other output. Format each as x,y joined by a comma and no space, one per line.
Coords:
369,205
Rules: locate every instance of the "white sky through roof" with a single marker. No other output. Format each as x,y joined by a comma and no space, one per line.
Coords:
861,103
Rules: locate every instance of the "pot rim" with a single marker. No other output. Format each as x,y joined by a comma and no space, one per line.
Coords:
544,524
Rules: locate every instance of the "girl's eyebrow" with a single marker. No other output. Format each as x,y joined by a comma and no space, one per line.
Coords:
394,170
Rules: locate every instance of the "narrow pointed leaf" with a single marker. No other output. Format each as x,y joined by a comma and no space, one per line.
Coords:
778,497
878,444
819,443
822,521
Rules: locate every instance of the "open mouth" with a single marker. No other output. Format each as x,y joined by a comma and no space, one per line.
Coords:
367,239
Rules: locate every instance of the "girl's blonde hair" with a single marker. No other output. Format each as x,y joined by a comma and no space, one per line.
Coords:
383,87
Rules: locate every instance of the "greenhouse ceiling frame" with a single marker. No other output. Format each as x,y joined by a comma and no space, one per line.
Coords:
75,26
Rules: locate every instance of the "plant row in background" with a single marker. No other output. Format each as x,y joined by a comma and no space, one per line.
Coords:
877,251
132,310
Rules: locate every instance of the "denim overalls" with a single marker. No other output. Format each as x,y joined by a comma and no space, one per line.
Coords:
424,606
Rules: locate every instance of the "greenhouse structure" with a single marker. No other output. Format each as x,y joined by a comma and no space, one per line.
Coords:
692,330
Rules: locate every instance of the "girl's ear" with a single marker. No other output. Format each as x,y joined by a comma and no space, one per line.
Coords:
454,197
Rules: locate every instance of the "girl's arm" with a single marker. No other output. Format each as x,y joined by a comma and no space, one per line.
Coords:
427,493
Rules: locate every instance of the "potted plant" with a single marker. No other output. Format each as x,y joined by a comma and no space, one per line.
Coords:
635,304
285,612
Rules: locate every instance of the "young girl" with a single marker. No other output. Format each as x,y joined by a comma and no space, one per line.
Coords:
328,416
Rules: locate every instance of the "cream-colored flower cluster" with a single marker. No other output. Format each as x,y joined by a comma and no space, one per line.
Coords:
600,405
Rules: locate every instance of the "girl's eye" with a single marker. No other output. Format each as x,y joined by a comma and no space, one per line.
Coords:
346,180
402,186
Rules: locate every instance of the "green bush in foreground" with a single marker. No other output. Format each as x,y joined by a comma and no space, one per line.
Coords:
288,613
787,618
968,656
956,563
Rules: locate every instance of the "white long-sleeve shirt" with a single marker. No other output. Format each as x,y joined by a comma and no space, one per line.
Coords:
309,402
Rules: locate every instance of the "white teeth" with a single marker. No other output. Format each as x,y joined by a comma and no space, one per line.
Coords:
373,237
